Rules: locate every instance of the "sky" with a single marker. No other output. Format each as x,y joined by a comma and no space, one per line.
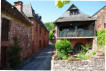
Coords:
49,13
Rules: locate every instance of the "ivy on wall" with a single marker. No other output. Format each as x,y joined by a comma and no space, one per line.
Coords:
101,37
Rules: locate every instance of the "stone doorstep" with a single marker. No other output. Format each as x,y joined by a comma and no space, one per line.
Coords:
99,53
74,59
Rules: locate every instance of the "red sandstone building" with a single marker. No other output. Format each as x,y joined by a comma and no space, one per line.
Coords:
21,21
100,19
76,27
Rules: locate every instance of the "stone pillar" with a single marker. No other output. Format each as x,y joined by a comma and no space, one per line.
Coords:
94,45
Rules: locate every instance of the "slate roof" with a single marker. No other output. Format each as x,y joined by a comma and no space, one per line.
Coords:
27,9
29,12
67,17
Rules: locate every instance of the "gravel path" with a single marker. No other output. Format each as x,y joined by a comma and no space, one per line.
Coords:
40,60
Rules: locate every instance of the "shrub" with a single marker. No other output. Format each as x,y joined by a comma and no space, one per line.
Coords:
62,47
51,35
85,48
82,55
101,37
13,53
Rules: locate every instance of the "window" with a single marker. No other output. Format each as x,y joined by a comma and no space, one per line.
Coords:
40,30
36,27
5,30
74,12
104,25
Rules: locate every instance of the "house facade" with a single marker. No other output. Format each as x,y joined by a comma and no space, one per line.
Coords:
100,19
14,22
39,32
76,27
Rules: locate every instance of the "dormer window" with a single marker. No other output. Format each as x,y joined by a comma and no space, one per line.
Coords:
74,12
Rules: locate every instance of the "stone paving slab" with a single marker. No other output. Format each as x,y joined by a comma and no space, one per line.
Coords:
40,60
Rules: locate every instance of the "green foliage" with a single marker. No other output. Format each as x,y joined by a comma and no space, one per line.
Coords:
13,53
101,37
62,47
85,48
94,53
51,35
82,55
49,26
61,3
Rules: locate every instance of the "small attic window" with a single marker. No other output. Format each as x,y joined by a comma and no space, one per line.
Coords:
74,12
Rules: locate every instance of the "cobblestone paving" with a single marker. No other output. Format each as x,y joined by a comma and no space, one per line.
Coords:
40,60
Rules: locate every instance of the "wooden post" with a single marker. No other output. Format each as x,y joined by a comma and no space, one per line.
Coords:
94,29
76,27
57,31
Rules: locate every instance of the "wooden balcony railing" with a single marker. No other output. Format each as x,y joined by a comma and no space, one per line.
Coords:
78,33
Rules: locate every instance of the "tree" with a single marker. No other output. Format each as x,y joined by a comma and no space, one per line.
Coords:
50,27
61,3
51,35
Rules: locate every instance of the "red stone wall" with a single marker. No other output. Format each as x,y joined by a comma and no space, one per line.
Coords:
39,36
100,19
28,34
84,41
23,32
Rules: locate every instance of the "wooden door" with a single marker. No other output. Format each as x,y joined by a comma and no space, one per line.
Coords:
3,56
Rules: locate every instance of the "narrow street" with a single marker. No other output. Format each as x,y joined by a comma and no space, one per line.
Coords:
40,60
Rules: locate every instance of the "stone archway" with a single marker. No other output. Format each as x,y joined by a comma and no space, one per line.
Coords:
77,48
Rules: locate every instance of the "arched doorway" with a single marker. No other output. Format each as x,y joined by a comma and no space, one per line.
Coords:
77,48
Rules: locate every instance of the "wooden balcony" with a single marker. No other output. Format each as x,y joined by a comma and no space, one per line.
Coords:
78,33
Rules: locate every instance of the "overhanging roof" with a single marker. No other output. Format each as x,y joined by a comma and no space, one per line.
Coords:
67,17
29,12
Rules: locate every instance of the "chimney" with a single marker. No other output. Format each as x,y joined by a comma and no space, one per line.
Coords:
19,5
40,17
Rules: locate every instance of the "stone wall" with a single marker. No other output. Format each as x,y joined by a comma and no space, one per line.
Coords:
22,31
96,63
100,19
38,36
24,34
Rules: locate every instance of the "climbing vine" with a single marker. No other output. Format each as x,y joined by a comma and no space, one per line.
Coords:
101,37
13,53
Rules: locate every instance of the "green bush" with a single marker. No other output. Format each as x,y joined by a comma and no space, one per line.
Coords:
94,53
82,54
13,53
101,37
51,35
85,48
62,47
